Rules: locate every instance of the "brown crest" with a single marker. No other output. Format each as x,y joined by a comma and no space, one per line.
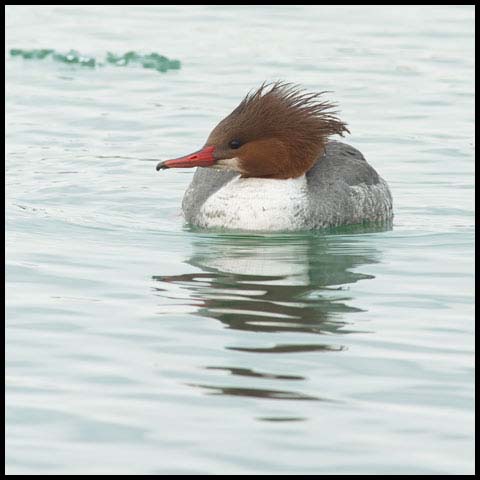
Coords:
277,131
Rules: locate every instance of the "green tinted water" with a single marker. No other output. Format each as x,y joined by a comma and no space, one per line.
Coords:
150,60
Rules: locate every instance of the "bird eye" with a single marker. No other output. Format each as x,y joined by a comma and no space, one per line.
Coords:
234,144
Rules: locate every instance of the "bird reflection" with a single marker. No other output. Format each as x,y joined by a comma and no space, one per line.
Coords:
277,284
257,392
287,283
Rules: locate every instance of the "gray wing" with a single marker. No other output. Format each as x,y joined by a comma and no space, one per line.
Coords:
343,189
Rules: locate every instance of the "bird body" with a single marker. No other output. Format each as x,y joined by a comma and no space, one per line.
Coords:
270,166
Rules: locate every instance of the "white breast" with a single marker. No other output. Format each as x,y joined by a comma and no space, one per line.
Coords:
256,204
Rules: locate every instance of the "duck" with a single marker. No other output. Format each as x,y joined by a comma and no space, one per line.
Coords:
271,165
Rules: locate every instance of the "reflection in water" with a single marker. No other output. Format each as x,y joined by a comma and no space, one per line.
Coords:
290,348
256,392
247,372
276,284
281,419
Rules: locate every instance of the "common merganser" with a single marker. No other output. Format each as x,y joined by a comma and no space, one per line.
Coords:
269,166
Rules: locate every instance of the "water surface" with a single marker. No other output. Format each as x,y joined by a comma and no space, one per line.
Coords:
137,345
